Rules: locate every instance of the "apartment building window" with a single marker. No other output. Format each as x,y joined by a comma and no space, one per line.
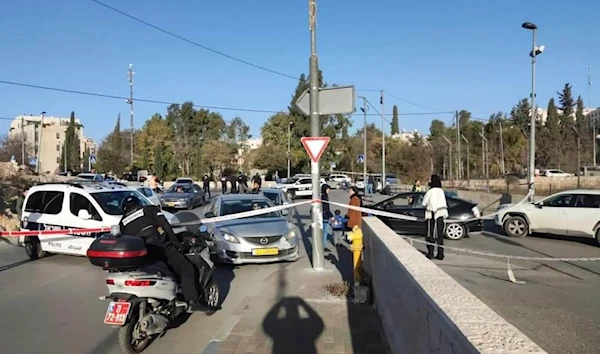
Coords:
57,147
57,135
58,159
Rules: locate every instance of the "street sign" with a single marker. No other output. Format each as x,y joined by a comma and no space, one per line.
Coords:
332,100
92,159
240,161
33,161
332,165
360,158
315,146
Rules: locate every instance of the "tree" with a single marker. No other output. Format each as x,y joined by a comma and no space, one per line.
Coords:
395,125
567,105
12,146
549,148
520,115
218,155
71,150
111,155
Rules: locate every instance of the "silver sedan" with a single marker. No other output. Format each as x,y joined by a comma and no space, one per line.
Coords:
257,239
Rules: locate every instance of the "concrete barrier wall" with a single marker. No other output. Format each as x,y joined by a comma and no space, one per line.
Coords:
217,185
424,310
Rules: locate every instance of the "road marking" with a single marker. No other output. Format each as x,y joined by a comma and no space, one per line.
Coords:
212,347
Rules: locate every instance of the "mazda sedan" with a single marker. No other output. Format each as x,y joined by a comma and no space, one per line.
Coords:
261,238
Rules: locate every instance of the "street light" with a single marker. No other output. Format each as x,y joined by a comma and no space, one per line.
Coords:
364,110
468,160
535,51
450,174
578,156
484,152
289,151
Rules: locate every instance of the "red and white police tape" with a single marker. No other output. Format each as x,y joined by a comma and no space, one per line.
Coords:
368,211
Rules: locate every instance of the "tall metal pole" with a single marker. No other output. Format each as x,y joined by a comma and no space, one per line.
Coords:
450,174
458,156
502,149
482,134
383,175
130,74
365,143
578,157
39,154
22,141
594,140
531,170
65,150
468,159
289,150
317,216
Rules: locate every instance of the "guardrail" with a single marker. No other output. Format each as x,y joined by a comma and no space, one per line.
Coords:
424,310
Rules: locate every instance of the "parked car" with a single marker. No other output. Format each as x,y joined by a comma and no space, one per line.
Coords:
571,213
278,197
182,196
150,194
258,239
556,173
184,180
296,187
410,204
91,177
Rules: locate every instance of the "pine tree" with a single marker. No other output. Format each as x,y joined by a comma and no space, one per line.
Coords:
71,146
395,125
552,136
567,105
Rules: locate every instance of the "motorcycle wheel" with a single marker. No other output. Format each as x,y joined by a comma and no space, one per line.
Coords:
127,343
212,297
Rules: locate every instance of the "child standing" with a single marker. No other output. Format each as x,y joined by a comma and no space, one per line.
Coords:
338,226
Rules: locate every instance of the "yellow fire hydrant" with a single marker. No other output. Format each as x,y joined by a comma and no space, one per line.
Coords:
356,237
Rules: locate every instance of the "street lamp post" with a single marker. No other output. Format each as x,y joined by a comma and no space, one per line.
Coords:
364,110
289,150
484,152
535,51
468,160
578,156
450,174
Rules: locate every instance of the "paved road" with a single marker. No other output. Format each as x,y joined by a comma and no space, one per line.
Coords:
557,306
51,305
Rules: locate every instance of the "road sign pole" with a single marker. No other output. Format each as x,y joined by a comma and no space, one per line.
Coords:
318,252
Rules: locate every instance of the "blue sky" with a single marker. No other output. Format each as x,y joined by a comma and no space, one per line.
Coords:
443,55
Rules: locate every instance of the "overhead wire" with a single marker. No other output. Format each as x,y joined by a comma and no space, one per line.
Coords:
239,60
216,108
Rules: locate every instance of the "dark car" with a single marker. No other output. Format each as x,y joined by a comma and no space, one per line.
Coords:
410,204
182,196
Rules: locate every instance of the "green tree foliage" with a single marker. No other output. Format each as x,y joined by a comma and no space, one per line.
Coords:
71,150
395,125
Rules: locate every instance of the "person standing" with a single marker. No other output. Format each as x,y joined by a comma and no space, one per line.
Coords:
354,216
257,180
233,181
326,213
436,210
416,188
206,186
223,184
370,184
20,202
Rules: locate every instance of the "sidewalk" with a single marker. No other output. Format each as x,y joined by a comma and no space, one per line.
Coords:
295,314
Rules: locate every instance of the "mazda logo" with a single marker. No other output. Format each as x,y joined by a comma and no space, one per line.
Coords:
264,241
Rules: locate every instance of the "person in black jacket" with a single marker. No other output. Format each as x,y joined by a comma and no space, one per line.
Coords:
257,180
326,213
223,184
206,186
233,181
149,223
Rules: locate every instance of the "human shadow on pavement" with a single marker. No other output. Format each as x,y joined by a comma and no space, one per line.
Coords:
306,235
292,324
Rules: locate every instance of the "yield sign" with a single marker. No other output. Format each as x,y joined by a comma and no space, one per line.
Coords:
315,146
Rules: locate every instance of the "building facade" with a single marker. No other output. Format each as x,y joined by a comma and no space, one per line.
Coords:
45,139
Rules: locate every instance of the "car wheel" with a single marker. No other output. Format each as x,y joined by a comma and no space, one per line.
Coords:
33,249
598,236
516,226
290,194
455,231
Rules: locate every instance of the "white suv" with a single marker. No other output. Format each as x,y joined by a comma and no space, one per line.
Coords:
57,206
572,213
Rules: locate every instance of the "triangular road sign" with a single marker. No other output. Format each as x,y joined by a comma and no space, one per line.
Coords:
315,146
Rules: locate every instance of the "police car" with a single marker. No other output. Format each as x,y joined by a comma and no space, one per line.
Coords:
72,205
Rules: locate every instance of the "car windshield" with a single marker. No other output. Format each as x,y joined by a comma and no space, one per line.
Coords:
86,176
229,207
180,189
111,202
272,196
292,180
184,180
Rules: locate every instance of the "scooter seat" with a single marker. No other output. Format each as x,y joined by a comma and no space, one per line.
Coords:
159,267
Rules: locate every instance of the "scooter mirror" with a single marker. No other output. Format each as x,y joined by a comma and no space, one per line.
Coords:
203,229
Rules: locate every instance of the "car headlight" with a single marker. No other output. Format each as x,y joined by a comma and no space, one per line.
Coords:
183,199
476,212
290,235
230,238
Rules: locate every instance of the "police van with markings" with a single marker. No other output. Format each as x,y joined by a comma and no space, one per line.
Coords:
298,187
72,205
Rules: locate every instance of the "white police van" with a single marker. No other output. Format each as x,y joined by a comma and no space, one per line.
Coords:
72,205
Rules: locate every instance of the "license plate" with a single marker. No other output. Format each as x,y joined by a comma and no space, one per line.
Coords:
171,204
117,312
265,252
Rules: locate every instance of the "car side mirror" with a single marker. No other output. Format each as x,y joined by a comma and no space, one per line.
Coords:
203,229
285,212
84,214
209,214
539,205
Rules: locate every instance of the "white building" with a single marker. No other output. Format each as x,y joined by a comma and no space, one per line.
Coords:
542,114
406,135
48,140
253,144
594,115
